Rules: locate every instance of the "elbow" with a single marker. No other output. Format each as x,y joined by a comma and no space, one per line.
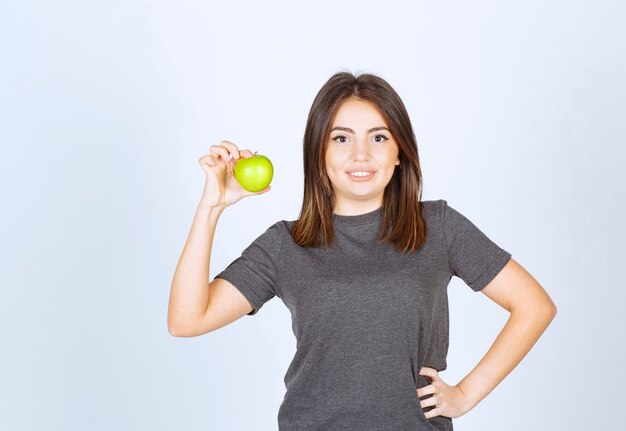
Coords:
176,325
176,330
548,313
538,312
173,331
182,330
552,312
172,327
551,309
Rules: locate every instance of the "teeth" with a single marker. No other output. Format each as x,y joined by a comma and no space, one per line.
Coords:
360,174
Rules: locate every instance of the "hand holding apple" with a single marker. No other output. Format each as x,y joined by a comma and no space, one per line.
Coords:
221,188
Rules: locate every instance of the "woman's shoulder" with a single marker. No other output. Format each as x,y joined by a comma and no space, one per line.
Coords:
282,227
432,208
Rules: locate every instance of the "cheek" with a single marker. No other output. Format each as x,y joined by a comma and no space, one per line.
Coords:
332,161
387,158
393,156
328,163
331,169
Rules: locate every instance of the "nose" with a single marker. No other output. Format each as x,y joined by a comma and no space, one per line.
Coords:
360,150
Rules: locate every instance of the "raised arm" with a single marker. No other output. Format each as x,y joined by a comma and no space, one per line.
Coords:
195,306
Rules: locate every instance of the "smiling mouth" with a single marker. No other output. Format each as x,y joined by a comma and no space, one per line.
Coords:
361,175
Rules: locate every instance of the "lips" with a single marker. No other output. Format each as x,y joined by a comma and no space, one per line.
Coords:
367,170
361,174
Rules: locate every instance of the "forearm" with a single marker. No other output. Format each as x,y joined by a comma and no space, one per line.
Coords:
517,337
189,293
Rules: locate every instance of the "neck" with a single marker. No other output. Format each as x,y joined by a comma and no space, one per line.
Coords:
356,209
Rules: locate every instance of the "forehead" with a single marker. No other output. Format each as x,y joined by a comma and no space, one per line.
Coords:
354,112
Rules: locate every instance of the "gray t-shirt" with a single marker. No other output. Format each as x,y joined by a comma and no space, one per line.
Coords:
366,318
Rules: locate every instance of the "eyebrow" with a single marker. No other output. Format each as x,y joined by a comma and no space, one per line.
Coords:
347,129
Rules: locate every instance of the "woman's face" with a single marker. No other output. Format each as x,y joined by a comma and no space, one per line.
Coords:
361,155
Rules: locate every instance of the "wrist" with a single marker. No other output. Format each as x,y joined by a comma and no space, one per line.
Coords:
468,401
209,210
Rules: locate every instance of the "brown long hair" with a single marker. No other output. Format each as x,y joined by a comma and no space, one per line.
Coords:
402,223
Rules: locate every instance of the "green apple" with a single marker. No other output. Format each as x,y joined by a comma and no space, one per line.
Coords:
254,173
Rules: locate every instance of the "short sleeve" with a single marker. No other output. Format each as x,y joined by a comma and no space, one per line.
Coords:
254,272
472,256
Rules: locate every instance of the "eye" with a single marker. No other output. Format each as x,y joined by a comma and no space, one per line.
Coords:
339,138
384,138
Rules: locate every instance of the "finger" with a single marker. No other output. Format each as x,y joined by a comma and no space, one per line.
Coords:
232,149
265,190
432,401
246,153
430,372
432,413
220,151
425,390
206,160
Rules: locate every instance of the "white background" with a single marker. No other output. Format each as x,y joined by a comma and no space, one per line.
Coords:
105,108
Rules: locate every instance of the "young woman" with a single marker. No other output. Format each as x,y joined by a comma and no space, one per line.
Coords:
364,271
